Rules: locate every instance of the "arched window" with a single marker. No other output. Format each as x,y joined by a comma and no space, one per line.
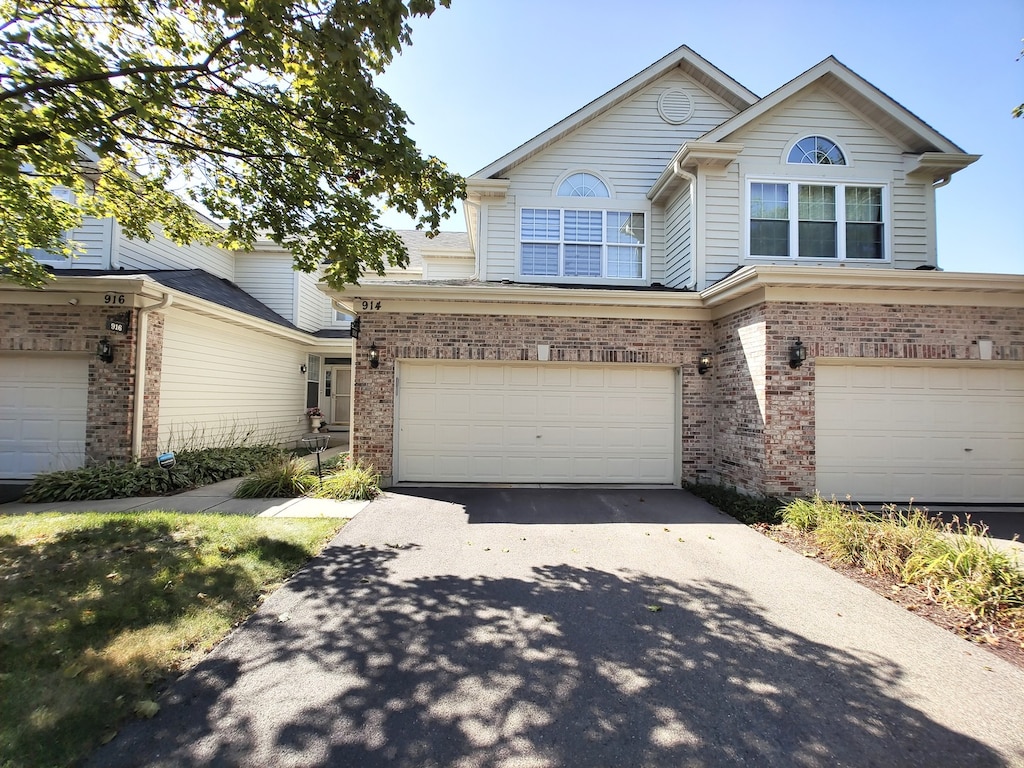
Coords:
582,185
816,150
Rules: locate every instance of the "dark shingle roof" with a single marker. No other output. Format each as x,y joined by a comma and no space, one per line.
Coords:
198,283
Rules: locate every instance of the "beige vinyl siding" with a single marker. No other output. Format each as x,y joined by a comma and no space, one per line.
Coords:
871,156
436,268
723,219
501,233
629,146
679,240
95,237
161,253
268,278
310,302
221,383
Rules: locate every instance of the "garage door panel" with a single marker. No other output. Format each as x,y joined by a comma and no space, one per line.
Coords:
544,423
43,404
927,436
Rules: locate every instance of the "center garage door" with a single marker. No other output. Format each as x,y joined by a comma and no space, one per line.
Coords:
529,423
43,402
942,433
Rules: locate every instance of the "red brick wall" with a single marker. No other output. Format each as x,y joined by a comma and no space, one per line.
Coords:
63,328
151,395
785,450
515,338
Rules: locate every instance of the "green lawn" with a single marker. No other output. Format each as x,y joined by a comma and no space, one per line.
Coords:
98,610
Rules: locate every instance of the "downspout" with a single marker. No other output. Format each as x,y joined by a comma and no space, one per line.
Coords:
942,182
140,372
677,169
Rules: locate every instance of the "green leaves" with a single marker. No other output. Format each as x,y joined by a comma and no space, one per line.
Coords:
267,110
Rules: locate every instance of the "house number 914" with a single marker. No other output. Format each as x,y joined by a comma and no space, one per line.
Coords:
370,305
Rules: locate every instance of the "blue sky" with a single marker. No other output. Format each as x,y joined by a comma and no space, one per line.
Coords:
485,76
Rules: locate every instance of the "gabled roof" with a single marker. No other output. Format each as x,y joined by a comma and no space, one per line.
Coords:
882,110
692,64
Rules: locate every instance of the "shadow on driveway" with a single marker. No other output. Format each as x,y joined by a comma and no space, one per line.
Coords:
362,661
573,506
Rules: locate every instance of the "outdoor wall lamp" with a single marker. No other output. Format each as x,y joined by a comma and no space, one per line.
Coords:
704,363
105,351
303,368
797,354
374,356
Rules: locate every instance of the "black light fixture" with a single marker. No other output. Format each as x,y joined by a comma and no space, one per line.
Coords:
303,368
374,356
105,351
704,363
353,327
797,354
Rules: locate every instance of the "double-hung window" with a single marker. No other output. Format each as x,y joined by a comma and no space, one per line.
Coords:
587,240
811,220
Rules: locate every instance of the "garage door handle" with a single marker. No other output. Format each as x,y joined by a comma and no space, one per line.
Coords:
968,450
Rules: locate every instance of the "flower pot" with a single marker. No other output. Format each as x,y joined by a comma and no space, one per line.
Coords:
315,422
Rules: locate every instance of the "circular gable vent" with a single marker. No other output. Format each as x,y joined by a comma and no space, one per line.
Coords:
675,106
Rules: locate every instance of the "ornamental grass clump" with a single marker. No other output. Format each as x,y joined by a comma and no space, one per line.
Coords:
284,478
957,563
349,481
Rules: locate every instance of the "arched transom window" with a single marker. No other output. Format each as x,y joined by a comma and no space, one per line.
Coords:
816,150
582,185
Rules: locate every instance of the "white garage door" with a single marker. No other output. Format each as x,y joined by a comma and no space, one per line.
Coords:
931,433
42,413
463,422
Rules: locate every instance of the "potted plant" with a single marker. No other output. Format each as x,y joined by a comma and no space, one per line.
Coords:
316,418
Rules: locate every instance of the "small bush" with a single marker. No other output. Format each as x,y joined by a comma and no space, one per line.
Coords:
284,478
353,481
747,509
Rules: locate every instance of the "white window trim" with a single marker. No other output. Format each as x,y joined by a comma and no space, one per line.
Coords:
796,140
585,203
600,176
840,184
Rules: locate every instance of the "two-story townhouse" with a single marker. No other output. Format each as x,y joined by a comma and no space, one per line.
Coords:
232,347
684,282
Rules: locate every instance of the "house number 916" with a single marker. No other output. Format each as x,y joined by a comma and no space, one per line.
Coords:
369,305
114,298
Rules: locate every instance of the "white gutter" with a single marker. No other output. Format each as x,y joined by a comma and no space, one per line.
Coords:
140,372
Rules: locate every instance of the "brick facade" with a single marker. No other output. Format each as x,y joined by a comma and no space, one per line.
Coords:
747,423
512,338
111,386
776,454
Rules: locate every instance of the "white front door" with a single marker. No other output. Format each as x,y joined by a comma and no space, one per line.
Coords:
42,413
338,393
530,423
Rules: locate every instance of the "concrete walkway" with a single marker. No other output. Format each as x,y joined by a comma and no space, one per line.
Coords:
216,498
488,627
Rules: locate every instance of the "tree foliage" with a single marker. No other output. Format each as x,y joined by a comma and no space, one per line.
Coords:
264,113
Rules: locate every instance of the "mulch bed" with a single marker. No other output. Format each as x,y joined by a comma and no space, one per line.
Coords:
999,638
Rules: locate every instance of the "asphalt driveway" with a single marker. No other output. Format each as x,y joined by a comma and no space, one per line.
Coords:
470,627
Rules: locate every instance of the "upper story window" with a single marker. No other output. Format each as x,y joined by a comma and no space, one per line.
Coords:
587,243
816,150
582,185
817,221
582,239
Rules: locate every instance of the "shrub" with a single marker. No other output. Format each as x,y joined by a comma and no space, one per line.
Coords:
745,508
119,480
352,481
283,478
